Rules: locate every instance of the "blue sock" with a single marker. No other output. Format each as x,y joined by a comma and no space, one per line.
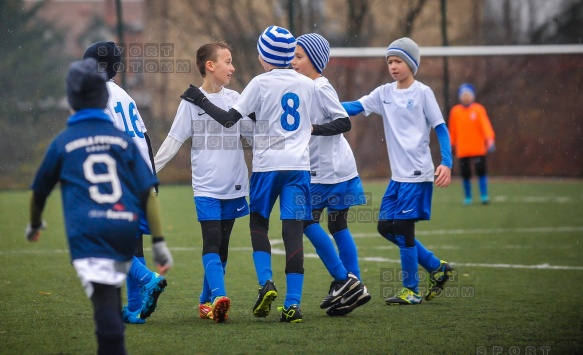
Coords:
295,283
213,271
467,188
426,257
410,267
326,251
483,182
348,252
205,295
262,262
138,275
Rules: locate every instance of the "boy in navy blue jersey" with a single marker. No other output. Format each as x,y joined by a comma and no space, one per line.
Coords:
409,110
104,188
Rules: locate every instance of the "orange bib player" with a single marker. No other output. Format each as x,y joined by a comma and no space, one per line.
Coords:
472,137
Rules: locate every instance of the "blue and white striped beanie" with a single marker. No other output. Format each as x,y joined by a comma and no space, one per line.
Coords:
317,48
406,49
276,46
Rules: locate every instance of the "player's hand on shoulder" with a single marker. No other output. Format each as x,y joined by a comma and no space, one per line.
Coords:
161,255
32,233
442,176
193,95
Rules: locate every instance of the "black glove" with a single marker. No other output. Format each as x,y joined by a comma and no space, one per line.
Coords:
194,95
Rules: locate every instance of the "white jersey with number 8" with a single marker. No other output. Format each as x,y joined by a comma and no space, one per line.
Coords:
281,100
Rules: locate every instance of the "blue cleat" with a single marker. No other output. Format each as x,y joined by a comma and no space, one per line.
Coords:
132,317
150,293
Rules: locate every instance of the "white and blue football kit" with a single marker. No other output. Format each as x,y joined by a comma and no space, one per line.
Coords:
219,180
408,116
125,115
335,185
281,100
218,164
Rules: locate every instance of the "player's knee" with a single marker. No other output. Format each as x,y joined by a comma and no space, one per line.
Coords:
211,236
258,221
406,228
337,225
295,263
308,223
385,228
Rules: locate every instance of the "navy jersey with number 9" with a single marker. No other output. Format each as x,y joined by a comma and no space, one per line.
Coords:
102,181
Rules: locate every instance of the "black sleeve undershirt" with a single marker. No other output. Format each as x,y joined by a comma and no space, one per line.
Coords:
227,119
335,127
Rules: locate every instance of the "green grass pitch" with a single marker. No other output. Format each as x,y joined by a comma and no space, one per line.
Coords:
518,287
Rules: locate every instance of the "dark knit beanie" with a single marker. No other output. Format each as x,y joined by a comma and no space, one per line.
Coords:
86,85
107,54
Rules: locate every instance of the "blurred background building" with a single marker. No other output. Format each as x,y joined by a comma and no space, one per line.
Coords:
533,100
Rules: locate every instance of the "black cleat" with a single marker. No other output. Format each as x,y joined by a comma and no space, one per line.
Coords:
265,297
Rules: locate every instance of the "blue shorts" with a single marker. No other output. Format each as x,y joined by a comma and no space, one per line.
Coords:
213,209
291,186
144,226
407,200
338,196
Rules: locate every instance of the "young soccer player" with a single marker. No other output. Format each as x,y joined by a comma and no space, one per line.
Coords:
280,100
409,110
143,286
335,183
219,172
472,137
103,189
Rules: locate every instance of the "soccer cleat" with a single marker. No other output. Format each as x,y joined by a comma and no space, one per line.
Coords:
205,310
132,317
404,297
485,199
265,297
350,302
221,306
150,293
290,315
437,279
339,289
467,201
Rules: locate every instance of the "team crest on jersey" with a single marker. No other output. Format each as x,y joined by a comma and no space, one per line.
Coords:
410,104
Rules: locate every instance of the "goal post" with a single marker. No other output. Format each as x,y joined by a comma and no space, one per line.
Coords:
461,51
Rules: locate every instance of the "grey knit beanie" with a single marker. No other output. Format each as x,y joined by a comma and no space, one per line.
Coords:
406,49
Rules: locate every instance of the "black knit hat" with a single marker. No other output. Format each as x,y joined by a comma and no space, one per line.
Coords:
107,54
86,86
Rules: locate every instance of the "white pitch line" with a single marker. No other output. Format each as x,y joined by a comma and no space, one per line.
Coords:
278,251
568,229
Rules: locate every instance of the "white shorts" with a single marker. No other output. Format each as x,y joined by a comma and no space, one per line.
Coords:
100,270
